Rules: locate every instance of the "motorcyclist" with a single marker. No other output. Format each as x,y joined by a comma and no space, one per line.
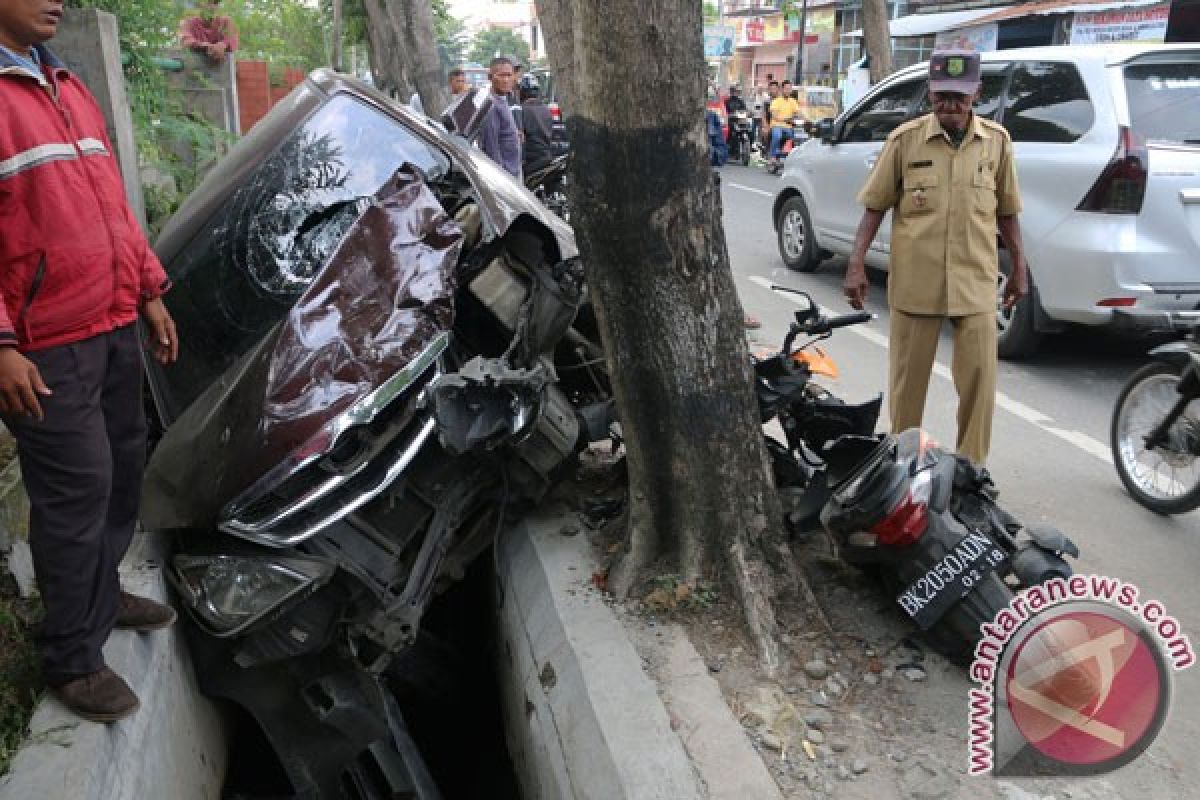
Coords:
536,124
733,102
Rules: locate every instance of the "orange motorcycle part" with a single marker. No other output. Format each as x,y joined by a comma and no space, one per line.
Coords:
818,361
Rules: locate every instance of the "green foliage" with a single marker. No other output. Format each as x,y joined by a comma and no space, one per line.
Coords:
712,13
285,33
498,42
451,36
20,677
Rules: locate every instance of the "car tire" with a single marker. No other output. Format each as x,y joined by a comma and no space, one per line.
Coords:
794,234
1016,336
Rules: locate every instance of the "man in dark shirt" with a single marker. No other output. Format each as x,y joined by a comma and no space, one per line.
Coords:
500,138
537,125
734,101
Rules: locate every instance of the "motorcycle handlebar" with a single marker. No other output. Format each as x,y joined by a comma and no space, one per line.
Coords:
826,324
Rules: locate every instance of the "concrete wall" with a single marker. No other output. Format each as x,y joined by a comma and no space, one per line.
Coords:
584,721
173,747
87,41
208,90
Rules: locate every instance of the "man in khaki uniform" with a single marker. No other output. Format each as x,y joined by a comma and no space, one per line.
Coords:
949,177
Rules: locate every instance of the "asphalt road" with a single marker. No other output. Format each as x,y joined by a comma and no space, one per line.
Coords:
1050,455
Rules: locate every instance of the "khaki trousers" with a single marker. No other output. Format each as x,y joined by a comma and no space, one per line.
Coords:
911,351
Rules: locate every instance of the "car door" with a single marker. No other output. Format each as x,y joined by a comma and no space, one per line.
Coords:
840,168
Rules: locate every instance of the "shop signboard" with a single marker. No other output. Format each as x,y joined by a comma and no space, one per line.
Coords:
718,41
1145,24
980,38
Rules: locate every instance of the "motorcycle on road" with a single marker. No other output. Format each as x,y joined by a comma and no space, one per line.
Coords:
1155,432
922,518
741,143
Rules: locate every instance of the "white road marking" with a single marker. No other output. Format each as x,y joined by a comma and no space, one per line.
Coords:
1077,439
749,189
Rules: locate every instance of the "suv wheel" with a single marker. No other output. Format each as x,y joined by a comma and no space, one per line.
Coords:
1016,336
796,244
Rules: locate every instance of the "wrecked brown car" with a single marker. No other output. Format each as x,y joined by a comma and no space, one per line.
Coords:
385,347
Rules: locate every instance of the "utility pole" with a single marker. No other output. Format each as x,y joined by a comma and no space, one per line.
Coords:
799,76
338,34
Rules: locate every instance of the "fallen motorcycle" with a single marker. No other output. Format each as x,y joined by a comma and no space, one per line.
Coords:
385,345
1155,431
549,185
923,519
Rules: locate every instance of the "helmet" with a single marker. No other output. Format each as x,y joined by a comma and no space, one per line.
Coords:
528,87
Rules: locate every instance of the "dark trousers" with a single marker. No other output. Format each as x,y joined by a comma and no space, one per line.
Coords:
82,467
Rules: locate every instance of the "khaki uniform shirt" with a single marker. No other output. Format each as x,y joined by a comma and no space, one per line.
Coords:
945,202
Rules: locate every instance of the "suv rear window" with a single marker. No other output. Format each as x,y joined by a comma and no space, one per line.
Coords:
990,93
1047,102
1164,101
881,115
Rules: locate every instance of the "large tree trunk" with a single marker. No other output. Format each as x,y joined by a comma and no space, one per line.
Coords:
384,51
878,38
412,21
648,219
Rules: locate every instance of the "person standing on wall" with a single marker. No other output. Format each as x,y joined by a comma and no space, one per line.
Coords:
210,32
950,180
75,272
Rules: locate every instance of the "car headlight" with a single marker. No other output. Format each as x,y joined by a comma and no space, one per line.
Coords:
227,594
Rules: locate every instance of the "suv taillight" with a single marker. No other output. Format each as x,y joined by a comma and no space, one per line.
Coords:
1121,188
904,524
555,112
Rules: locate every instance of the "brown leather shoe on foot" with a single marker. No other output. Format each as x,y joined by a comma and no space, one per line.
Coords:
143,614
102,696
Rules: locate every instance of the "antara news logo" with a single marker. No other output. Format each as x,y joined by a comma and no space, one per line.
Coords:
1072,678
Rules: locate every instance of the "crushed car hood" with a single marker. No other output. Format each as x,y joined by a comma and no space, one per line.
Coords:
384,295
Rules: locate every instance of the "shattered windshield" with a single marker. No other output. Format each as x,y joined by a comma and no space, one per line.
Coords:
244,270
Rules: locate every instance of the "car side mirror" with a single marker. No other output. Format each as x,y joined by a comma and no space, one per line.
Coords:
826,131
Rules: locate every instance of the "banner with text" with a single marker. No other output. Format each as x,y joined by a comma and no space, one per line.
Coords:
718,41
1146,24
980,38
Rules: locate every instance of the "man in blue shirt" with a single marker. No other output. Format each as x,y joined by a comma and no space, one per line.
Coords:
499,137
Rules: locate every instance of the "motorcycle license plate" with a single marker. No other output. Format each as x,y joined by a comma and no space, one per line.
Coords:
933,594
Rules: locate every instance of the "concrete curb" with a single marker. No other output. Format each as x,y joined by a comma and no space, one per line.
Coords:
584,720
174,746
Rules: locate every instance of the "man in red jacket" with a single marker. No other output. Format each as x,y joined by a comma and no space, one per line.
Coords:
75,270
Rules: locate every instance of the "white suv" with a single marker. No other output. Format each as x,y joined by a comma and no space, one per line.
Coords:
1107,143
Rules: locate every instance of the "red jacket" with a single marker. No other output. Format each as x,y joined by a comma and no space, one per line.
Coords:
73,261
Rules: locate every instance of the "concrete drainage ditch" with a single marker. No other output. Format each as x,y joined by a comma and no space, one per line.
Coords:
580,716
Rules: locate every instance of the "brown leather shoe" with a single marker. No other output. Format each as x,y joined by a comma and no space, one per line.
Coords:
142,613
102,696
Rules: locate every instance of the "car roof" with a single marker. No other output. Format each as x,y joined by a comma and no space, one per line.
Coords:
1106,54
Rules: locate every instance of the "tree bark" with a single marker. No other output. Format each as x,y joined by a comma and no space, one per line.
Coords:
878,38
386,68
647,216
412,22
